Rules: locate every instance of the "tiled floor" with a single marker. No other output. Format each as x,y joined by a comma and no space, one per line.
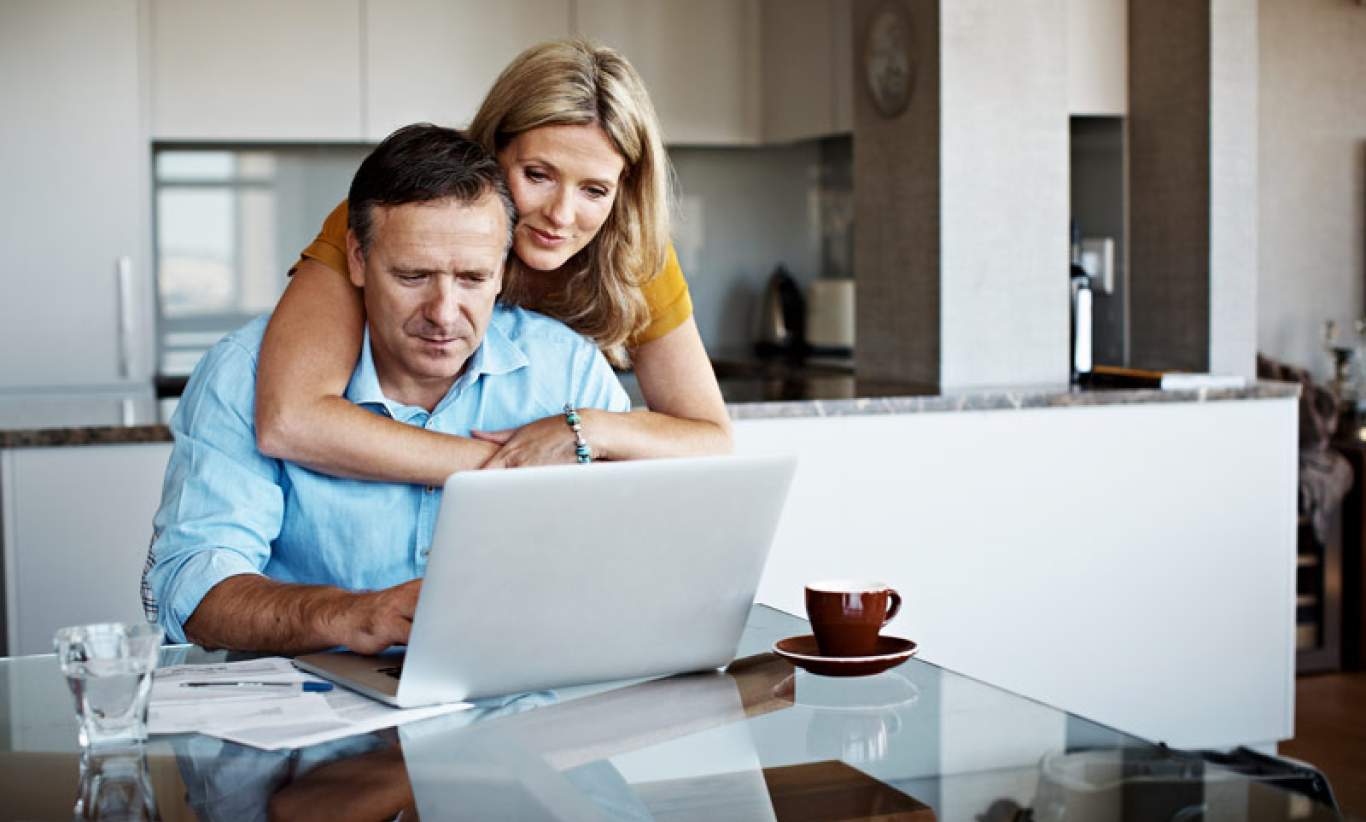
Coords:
1330,733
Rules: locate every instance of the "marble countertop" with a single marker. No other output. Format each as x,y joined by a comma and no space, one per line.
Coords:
28,421
85,418
860,397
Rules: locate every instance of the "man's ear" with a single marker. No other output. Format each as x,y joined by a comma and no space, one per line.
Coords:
355,259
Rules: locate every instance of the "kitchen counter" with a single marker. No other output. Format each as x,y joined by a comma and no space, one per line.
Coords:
54,420
845,396
87,418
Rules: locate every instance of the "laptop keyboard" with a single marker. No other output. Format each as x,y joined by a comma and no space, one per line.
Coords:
394,671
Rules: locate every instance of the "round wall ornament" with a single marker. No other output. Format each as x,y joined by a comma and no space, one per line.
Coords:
888,60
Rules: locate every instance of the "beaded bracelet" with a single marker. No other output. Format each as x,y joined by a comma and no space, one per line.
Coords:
581,450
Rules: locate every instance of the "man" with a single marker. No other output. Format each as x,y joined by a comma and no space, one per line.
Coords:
261,554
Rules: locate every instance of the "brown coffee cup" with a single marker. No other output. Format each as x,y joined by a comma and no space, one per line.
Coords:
846,615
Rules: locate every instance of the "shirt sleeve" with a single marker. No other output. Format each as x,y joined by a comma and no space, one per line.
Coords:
329,247
667,296
222,503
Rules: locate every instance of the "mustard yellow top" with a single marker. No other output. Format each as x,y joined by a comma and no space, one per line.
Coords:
666,294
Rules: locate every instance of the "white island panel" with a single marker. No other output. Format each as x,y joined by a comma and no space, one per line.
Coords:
1133,564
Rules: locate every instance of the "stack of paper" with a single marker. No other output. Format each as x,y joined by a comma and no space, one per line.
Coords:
267,717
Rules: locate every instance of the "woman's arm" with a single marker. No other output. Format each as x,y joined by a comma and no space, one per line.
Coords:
686,418
309,352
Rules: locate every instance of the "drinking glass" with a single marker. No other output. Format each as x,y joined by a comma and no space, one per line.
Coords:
109,667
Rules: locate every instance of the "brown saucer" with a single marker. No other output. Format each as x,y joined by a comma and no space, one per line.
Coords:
803,652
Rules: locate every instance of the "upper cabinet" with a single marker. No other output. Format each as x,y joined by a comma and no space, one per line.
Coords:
433,60
699,60
75,202
1098,57
720,72
256,70
807,68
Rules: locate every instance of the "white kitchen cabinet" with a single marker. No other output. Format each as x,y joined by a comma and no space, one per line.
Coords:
256,70
76,523
807,48
700,61
433,60
75,195
1098,57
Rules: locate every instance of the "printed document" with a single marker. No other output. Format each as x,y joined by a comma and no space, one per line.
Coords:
267,717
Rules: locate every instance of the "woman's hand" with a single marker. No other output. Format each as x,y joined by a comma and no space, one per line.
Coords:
686,418
547,441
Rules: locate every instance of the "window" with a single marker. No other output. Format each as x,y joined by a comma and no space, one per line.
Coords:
229,224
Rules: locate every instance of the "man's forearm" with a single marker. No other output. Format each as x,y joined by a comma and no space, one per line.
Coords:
254,613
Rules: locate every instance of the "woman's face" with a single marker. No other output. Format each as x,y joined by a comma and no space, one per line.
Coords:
564,180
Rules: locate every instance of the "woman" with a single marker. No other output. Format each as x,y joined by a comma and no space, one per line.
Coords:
577,136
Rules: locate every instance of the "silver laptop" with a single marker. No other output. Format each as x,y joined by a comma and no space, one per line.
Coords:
556,576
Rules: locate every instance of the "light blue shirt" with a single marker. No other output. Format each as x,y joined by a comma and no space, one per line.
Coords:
227,509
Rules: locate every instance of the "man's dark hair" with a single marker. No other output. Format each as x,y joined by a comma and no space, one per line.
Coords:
420,163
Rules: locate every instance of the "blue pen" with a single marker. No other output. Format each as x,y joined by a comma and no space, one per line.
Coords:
306,687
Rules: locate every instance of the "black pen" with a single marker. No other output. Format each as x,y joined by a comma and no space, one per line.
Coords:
306,687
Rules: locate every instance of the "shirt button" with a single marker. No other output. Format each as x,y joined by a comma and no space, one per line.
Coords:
426,549
431,489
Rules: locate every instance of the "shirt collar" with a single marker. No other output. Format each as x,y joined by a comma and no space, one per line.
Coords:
497,354
364,386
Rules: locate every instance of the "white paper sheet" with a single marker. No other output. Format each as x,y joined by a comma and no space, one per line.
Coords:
268,718
204,717
176,709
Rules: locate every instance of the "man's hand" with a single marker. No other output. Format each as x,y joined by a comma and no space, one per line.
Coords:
379,619
249,612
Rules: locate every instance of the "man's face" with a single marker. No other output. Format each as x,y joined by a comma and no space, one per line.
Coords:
430,277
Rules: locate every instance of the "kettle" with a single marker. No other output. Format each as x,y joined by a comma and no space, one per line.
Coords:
782,317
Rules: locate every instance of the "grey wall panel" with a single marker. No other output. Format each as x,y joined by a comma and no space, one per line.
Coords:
897,194
1169,208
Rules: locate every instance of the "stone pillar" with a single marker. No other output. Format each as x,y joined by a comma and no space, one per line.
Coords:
1193,185
961,200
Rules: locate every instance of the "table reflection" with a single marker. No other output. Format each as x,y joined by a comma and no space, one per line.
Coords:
369,786
226,781
855,720
115,785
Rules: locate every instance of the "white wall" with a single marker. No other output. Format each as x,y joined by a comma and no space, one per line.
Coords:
1313,174
1004,210
1133,564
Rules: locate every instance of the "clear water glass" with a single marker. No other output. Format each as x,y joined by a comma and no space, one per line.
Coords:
108,668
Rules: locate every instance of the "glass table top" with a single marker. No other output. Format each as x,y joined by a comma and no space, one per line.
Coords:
758,741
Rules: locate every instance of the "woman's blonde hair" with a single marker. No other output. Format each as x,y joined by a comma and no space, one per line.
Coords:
573,82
